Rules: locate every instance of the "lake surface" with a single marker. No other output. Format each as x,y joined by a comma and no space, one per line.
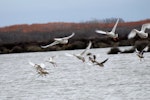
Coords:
123,77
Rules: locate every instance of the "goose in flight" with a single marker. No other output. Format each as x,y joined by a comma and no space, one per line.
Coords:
94,61
140,53
37,66
101,63
51,60
40,68
141,33
82,54
111,34
63,40
43,72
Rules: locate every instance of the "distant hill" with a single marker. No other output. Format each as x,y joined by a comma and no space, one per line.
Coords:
37,34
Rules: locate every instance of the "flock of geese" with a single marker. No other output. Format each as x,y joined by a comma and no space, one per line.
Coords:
41,70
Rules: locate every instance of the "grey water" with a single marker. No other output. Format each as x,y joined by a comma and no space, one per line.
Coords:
123,77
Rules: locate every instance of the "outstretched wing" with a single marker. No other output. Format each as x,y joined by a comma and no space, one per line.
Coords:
31,63
54,43
68,37
69,55
144,26
94,57
104,61
114,28
100,31
42,65
145,49
87,48
132,34
53,57
137,51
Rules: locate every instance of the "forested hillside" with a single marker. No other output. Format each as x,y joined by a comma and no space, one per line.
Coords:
28,38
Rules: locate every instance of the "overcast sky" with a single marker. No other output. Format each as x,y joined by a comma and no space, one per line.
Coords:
44,11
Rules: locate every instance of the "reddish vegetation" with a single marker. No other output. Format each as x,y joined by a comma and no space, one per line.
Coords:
37,34
50,27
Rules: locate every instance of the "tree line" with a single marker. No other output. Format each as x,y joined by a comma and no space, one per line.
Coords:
37,34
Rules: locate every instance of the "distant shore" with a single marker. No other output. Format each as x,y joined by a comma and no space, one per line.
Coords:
33,47
29,38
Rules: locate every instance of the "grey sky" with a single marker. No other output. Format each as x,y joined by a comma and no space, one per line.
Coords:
44,11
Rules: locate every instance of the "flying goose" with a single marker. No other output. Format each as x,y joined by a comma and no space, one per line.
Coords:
101,63
43,72
141,33
37,66
94,61
81,55
51,60
40,68
111,34
63,40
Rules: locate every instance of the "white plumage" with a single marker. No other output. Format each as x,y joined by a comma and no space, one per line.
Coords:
82,54
111,34
52,61
63,40
141,33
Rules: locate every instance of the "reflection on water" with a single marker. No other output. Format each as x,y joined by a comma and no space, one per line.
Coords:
124,77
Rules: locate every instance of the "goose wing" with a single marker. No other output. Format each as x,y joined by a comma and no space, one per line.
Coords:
132,34
42,65
94,57
87,48
31,63
145,49
114,28
68,37
69,55
100,31
144,26
54,43
104,61
137,51
53,57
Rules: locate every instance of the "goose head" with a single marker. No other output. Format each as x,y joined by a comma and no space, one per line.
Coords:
143,35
